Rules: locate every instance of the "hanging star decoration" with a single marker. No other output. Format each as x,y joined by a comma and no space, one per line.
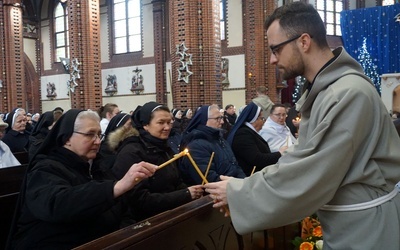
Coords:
397,18
185,61
71,83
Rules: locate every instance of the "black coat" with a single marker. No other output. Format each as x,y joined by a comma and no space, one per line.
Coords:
201,142
16,141
163,191
63,207
252,150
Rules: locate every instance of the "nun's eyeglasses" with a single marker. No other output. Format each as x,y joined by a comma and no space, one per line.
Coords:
219,118
92,136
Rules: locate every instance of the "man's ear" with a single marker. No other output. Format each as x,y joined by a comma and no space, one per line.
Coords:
305,41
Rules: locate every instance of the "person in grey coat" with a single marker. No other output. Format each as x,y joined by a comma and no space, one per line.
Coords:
346,164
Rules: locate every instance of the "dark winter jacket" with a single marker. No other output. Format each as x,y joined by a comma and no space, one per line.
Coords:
252,150
64,207
202,142
16,141
164,190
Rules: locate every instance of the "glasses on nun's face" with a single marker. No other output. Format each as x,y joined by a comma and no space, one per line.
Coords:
262,118
91,136
218,119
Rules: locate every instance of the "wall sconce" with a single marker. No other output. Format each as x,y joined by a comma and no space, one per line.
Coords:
250,75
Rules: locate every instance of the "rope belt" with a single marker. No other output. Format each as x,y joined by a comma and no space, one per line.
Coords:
363,205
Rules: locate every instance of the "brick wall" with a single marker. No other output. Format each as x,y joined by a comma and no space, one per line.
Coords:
84,39
195,23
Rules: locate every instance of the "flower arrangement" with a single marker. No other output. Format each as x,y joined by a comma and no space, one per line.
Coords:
311,235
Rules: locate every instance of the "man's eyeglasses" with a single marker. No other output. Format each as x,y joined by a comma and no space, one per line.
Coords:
275,48
92,136
280,115
219,118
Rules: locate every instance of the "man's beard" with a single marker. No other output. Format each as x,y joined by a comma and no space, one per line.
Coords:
296,67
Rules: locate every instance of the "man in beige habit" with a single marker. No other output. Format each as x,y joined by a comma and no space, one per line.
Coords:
347,161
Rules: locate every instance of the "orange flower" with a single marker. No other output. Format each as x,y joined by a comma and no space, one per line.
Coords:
317,232
307,226
306,246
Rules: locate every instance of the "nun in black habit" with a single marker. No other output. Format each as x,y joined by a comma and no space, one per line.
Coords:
165,190
39,132
60,205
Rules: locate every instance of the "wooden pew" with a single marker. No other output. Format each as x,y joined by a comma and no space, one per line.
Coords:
10,183
196,225
22,157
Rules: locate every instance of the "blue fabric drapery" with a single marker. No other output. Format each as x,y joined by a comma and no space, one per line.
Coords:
381,29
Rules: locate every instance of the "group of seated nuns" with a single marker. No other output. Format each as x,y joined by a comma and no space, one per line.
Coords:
80,186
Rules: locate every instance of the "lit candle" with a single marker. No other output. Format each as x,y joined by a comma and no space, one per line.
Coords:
208,167
176,157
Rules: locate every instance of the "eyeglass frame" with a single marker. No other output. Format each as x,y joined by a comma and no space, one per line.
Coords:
93,135
218,119
274,48
262,118
280,115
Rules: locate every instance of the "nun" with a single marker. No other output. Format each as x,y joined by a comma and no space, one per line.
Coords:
60,205
148,141
249,147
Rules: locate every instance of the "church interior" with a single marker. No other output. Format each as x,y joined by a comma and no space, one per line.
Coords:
83,54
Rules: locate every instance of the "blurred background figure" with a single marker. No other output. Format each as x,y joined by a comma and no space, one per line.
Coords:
263,101
7,159
107,112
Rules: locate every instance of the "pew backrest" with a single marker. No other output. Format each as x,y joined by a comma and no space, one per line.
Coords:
22,157
195,225
10,184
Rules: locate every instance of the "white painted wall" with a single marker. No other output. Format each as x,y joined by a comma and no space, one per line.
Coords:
104,35
388,83
235,23
30,50
148,29
46,48
236,72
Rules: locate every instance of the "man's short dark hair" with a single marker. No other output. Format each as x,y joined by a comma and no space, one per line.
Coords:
58,110
278,105
297,18
228,106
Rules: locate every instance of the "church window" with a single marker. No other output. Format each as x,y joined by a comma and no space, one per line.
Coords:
127,26
61,32
329,10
